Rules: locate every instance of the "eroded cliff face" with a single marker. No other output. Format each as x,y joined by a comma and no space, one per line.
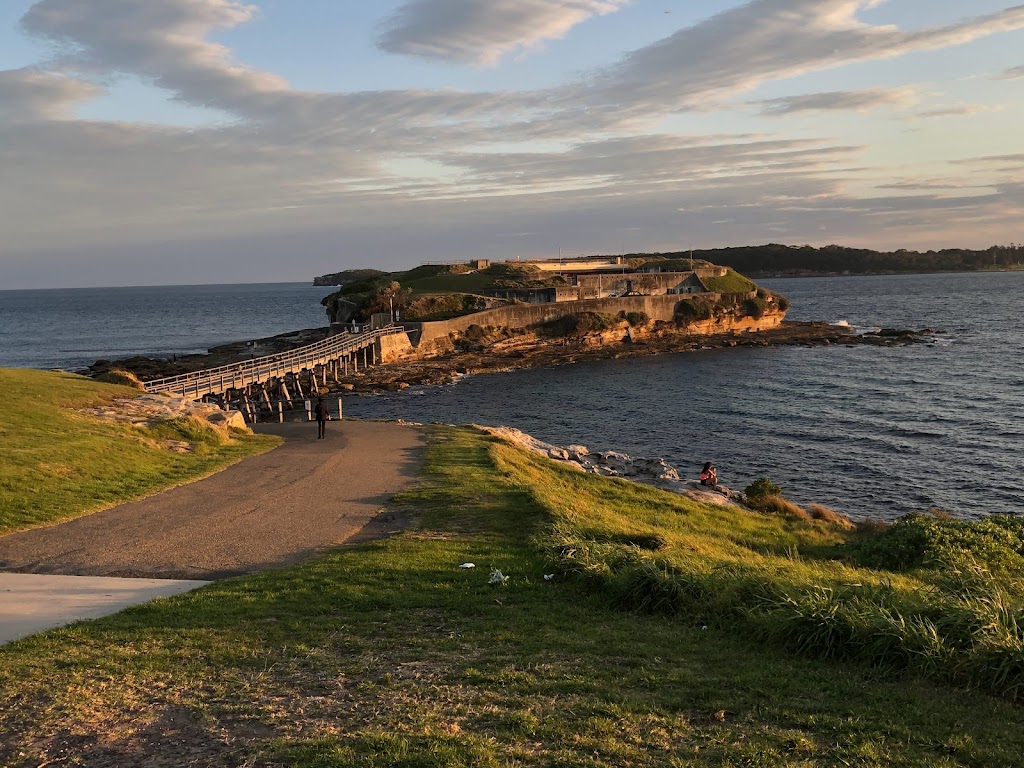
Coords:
505,340
735,324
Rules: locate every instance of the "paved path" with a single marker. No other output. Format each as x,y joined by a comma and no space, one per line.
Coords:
264,512
30,603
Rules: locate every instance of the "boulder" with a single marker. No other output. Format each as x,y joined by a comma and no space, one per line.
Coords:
228,420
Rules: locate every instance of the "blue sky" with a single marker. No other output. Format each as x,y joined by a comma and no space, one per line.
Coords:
177,141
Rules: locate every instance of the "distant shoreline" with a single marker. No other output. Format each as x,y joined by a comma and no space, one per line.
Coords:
756,275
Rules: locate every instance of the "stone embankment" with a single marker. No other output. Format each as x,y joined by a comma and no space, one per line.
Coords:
147,411
654,472
529,350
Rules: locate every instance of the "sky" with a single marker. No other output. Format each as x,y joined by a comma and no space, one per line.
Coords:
150,142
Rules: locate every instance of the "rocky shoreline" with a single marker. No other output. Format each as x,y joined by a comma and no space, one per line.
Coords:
529,351
524,350
653,472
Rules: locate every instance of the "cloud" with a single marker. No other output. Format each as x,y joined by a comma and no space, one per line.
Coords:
162,41
29,95
481,32
871,98
958,110
1011,74
588,158
764,40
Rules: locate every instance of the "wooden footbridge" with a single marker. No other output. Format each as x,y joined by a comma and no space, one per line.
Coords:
265,384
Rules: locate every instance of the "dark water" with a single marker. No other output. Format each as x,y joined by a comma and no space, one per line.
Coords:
870,431
71,328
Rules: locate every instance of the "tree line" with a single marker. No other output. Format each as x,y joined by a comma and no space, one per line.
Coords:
837,259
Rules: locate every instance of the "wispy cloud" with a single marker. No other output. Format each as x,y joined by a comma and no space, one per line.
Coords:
482,32
591,155
863,100
1011,74
957,110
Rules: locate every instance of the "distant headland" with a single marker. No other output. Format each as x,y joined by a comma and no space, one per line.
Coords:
795,260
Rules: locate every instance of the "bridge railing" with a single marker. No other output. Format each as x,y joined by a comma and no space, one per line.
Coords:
260,369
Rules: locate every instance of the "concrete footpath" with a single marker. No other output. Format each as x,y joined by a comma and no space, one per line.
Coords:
265,512
30,603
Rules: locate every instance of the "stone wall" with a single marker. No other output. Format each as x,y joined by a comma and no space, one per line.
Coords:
435,337
393,347
653,283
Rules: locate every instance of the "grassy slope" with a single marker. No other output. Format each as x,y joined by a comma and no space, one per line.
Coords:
786,580
386,654
57,464
731,282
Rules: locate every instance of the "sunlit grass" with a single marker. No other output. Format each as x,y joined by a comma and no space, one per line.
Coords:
791,580
57,463
389,654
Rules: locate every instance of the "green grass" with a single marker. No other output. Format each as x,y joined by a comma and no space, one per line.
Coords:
731,282
958,616
57,463
387,654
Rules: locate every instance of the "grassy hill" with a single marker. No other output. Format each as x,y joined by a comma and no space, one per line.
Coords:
58,463
390,654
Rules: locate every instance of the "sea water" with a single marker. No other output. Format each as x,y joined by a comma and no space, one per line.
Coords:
72,328
867,430
871,431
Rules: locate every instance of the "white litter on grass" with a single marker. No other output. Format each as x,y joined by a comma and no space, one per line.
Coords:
548,576
467,566
497,577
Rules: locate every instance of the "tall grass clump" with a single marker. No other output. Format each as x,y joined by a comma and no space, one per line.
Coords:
930,596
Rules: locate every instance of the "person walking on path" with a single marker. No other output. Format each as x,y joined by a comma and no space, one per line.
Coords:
321,417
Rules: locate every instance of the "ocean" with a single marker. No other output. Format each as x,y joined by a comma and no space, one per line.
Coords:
866,430
73,328
870,431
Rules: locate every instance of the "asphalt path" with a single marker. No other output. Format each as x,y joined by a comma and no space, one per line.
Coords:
264,512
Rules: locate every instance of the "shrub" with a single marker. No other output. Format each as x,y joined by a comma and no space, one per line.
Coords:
124,378
838,519
693,310
636,319
578,325
442,307
995,544
774,504
756,307
761,487
474,333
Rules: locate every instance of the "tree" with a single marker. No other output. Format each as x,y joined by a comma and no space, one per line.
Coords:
387,299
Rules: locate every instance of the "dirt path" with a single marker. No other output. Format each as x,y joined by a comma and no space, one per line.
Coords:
264,512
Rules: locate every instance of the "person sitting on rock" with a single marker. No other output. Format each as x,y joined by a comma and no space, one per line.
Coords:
709,475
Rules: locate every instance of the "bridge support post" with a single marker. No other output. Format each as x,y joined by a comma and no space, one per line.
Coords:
280,413
286,394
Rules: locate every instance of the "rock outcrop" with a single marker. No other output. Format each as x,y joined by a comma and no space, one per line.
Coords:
148,410
654,472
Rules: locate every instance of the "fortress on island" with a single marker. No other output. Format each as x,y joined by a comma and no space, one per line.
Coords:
440,303
516,309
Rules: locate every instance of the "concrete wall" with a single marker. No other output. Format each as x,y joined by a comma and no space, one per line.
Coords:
523,315
393,347
435,336
571,265
652,283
